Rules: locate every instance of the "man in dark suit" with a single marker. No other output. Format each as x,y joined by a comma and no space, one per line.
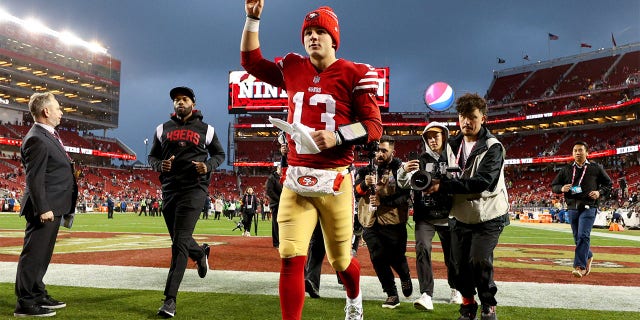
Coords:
49,198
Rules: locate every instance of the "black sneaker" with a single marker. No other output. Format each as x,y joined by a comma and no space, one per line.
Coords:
33,311
50,303
168,309
468,311
311,289
488,313
203,263
407,288
391,303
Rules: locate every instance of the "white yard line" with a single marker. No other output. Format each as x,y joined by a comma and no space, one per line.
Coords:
521,294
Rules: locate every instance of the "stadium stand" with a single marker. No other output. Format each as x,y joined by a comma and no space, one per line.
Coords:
598,91
540,82
104,144
585,74
505,86
7,132
72,138
627,66
20,130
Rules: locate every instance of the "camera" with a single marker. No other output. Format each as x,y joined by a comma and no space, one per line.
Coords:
422,179
369,149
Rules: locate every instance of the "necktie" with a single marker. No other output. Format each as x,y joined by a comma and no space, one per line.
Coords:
55,134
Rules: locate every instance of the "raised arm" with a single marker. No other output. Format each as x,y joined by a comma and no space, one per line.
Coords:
250,40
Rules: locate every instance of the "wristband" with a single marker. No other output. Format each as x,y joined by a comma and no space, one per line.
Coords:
338,139
252,24
354,133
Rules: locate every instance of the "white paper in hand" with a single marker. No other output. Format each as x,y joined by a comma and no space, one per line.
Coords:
299,133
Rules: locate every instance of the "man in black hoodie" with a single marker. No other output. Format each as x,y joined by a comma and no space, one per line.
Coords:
185,150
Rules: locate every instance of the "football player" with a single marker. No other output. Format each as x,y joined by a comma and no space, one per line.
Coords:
335,100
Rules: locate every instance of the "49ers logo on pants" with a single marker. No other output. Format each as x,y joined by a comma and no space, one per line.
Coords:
307,181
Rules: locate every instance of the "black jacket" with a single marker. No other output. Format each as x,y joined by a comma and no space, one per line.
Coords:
394,207
487,175
249,204
188,141
398,199
436,205
273,188
595,179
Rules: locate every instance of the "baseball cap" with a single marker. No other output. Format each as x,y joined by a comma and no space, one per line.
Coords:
434,129
185,91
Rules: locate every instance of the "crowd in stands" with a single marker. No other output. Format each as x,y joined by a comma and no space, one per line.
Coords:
532,188
549,89
603,74
526,188
551,144
70,137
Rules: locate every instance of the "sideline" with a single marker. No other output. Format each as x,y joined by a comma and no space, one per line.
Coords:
519,294
564,227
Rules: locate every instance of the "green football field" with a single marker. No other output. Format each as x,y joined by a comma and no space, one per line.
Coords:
95,303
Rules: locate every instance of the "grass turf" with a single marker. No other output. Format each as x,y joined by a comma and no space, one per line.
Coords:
91,303
131,222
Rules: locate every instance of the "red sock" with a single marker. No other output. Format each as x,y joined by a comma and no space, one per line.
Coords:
351,279
466,300
292,287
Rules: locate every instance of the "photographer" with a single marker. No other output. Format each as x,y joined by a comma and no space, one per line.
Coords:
430,212
383,210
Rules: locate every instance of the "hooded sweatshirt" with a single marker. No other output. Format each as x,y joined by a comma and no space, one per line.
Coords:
434,208
190,140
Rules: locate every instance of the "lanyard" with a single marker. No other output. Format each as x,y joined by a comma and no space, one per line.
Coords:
460,153
573,177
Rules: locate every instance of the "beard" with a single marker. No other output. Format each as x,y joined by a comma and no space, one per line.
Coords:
183,112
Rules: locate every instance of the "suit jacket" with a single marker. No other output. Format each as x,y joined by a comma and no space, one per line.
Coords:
51,185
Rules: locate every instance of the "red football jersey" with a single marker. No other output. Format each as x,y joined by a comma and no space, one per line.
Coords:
343,93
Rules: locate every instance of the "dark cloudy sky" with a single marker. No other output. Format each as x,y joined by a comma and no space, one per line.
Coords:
166,43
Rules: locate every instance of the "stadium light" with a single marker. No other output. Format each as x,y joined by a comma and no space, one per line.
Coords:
4,15
35,26
69,38
96,47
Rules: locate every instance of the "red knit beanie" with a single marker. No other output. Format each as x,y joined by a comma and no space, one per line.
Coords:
323,17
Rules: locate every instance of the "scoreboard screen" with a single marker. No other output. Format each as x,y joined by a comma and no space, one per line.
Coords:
248,94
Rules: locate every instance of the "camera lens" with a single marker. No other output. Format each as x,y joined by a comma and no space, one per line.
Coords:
420,180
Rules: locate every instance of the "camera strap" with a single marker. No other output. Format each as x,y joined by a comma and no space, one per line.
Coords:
463,154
